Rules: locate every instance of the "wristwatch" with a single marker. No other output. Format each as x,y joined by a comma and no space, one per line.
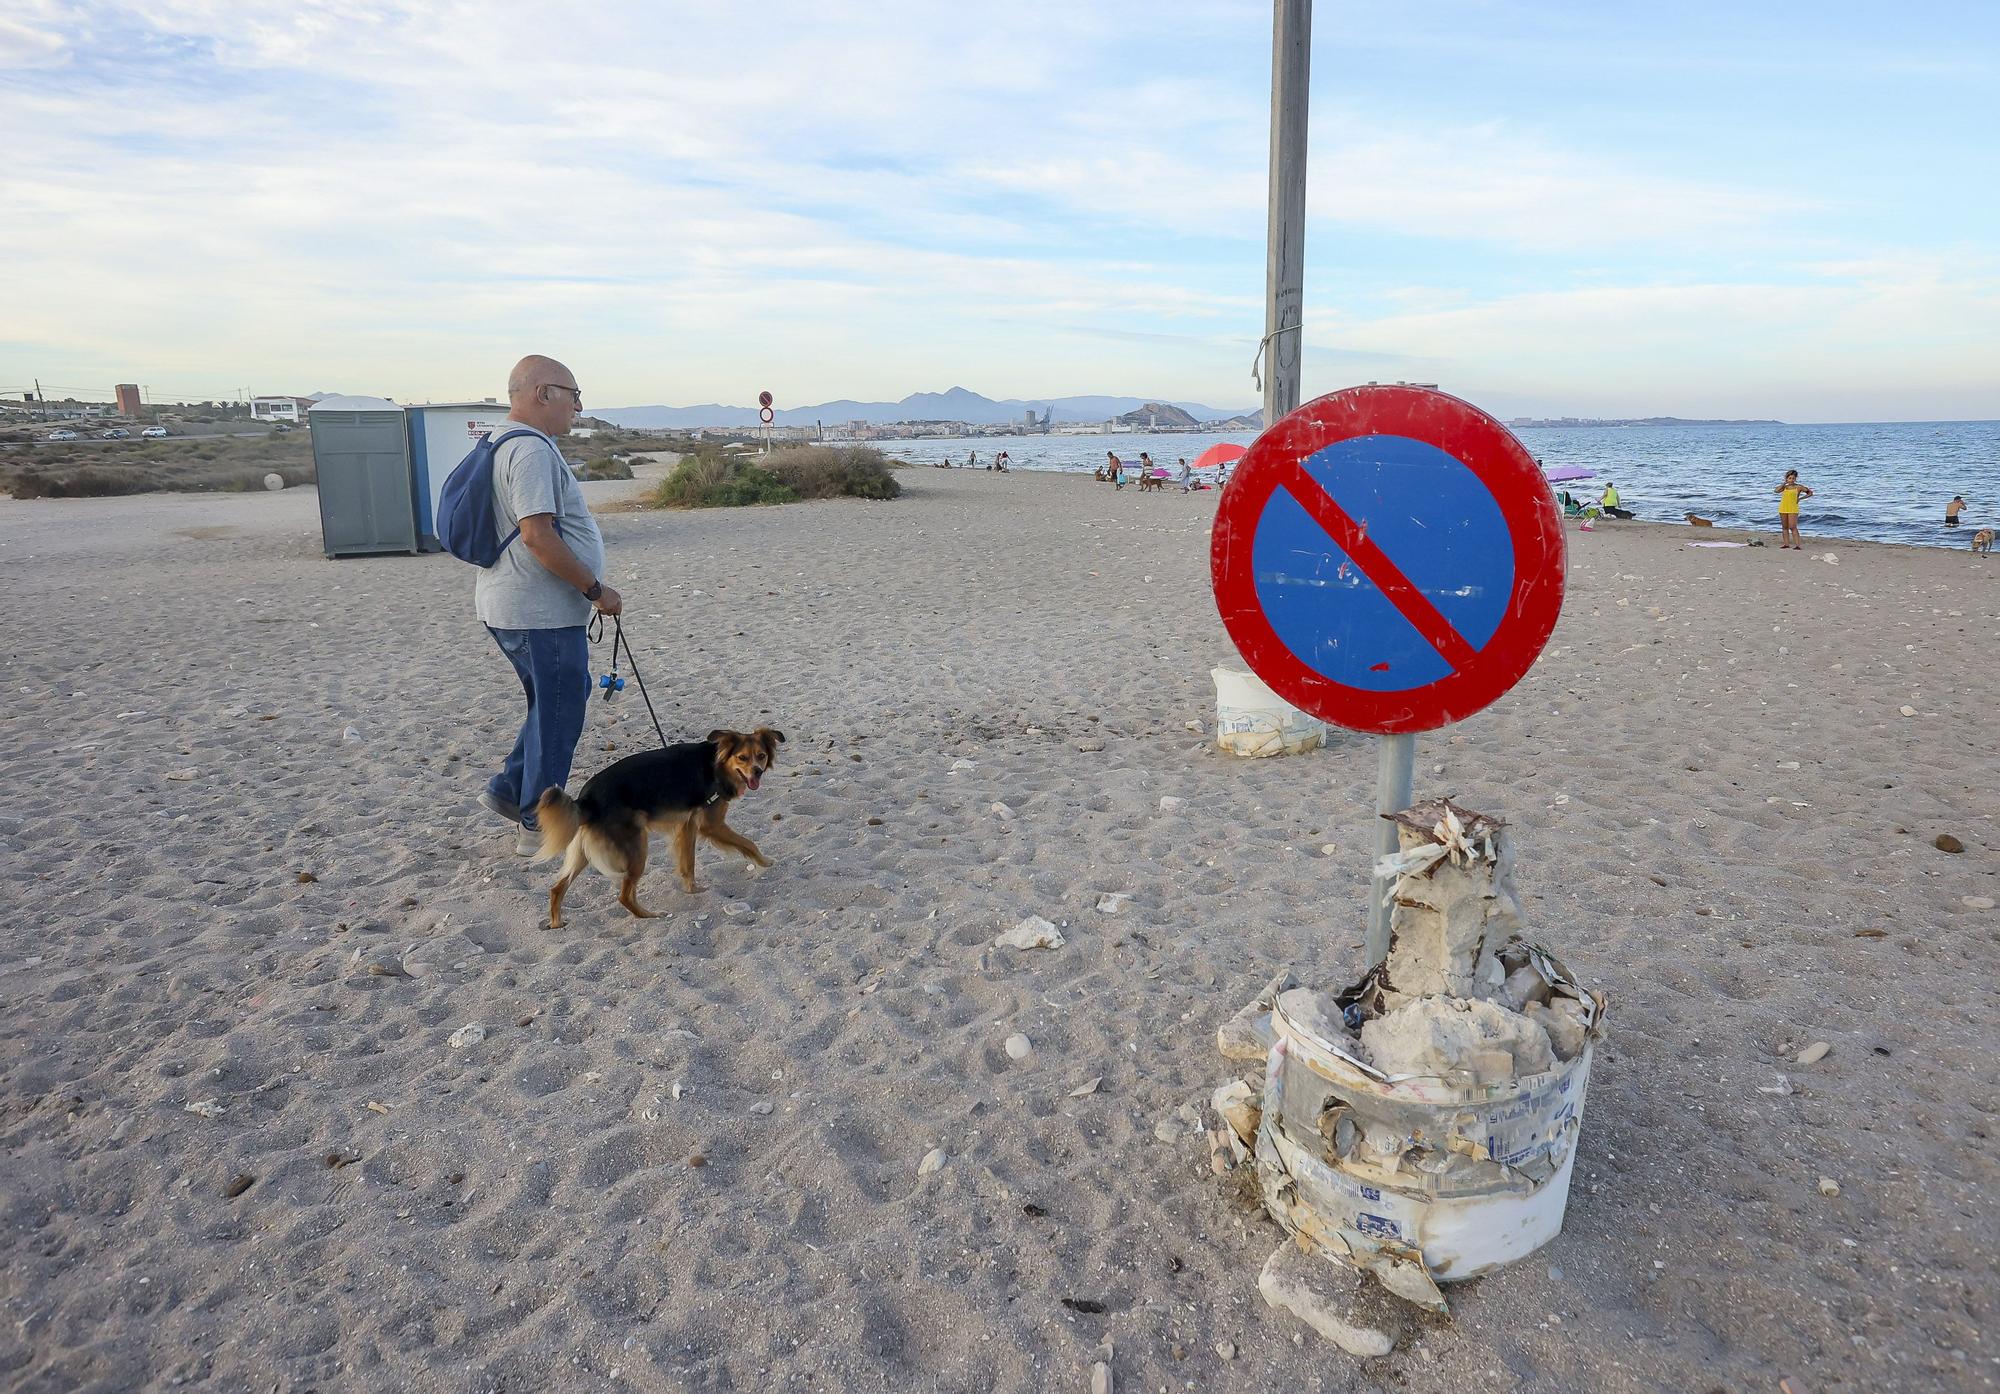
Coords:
595,593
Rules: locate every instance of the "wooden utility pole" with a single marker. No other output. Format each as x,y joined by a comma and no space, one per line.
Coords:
1285,257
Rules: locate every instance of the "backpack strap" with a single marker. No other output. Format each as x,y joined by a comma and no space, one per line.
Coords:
501,440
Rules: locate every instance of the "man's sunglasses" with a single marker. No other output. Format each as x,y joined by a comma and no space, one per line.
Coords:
575,393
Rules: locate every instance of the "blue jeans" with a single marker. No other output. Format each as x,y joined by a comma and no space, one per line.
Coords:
554,667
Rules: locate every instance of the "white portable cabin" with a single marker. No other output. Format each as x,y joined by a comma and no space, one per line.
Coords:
441,434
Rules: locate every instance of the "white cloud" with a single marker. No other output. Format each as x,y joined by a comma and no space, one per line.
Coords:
31,37
1487,183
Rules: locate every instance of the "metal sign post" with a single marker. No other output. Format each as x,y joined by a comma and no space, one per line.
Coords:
765,415
1397,758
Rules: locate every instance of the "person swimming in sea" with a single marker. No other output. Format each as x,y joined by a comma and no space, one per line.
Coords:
1953,509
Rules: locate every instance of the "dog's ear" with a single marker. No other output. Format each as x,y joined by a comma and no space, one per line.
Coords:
770,738
716,736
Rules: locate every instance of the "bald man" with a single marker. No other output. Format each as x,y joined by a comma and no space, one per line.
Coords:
536,600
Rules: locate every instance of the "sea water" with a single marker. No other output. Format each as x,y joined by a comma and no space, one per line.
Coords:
1886,482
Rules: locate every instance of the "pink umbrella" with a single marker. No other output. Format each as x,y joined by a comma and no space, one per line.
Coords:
1220,455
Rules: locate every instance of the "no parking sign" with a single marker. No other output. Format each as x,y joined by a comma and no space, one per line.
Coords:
1389,559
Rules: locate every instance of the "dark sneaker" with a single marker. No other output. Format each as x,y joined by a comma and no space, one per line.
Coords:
499,807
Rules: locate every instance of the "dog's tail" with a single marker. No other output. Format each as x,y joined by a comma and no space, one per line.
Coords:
557,814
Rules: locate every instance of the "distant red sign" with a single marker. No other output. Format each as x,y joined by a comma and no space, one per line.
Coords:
766,415
764,400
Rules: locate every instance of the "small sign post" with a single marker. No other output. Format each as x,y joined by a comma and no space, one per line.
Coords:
1390,560
767,416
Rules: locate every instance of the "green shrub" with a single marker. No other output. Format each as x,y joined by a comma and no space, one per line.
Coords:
717,481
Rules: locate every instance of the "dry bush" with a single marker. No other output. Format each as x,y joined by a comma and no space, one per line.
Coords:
201,464
833,471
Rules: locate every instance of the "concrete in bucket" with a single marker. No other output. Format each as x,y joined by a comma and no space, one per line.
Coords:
1447,1178
1253,721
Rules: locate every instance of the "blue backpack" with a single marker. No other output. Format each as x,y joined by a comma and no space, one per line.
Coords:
467,521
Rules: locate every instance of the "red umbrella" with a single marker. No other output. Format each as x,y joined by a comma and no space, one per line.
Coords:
1220,455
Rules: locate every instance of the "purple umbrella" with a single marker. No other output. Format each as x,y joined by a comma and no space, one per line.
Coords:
1568,474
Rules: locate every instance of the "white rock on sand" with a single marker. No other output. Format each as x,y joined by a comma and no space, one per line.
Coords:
175,942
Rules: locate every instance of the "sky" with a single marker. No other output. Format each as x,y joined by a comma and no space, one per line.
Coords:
1781,210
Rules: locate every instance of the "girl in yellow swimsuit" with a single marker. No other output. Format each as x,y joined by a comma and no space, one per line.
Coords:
1789,493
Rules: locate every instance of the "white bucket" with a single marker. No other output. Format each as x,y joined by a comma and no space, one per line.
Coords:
1251,720
1509,1148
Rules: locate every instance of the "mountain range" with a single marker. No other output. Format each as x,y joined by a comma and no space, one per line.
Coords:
958,404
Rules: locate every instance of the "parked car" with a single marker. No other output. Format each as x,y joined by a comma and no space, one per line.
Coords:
115,433
153,433
62,435
281,427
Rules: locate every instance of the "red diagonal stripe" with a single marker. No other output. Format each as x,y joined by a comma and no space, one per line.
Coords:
1353,539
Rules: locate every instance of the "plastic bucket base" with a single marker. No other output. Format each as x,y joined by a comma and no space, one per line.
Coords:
1255,722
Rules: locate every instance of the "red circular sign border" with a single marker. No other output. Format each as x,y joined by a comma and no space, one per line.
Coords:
1496,459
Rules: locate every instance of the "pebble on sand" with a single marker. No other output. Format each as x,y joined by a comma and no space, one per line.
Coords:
1019,1047
1034,932
1813,1053
467,1036
1332,1300
1828,1186
1976,902
932,1163
1945,842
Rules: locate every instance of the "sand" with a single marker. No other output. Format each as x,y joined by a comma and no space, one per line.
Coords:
1713,794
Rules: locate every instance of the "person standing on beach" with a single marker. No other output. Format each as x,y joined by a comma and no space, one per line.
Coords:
1186,476
1789,495
1953,509
1114,467
536,600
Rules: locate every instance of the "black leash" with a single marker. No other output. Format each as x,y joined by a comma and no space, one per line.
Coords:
611,682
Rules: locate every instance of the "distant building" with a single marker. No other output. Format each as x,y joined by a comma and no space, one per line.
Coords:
291,409
128,398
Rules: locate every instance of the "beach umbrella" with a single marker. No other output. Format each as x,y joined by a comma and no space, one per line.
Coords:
1220,455
1569,474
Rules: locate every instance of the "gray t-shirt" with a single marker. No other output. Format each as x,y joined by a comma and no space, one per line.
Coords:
518,592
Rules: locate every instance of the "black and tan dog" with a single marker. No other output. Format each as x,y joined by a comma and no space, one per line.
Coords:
684,790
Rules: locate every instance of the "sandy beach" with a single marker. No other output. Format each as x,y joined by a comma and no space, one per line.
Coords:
239,774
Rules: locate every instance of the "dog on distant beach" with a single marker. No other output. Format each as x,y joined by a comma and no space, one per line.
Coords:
1982,541
1149,480
1696,521
683,791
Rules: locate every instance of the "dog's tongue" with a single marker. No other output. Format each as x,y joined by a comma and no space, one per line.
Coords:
755,780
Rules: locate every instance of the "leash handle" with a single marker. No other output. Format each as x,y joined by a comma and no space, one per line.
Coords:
618,640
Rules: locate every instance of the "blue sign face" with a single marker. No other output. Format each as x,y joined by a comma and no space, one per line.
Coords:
1425,523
